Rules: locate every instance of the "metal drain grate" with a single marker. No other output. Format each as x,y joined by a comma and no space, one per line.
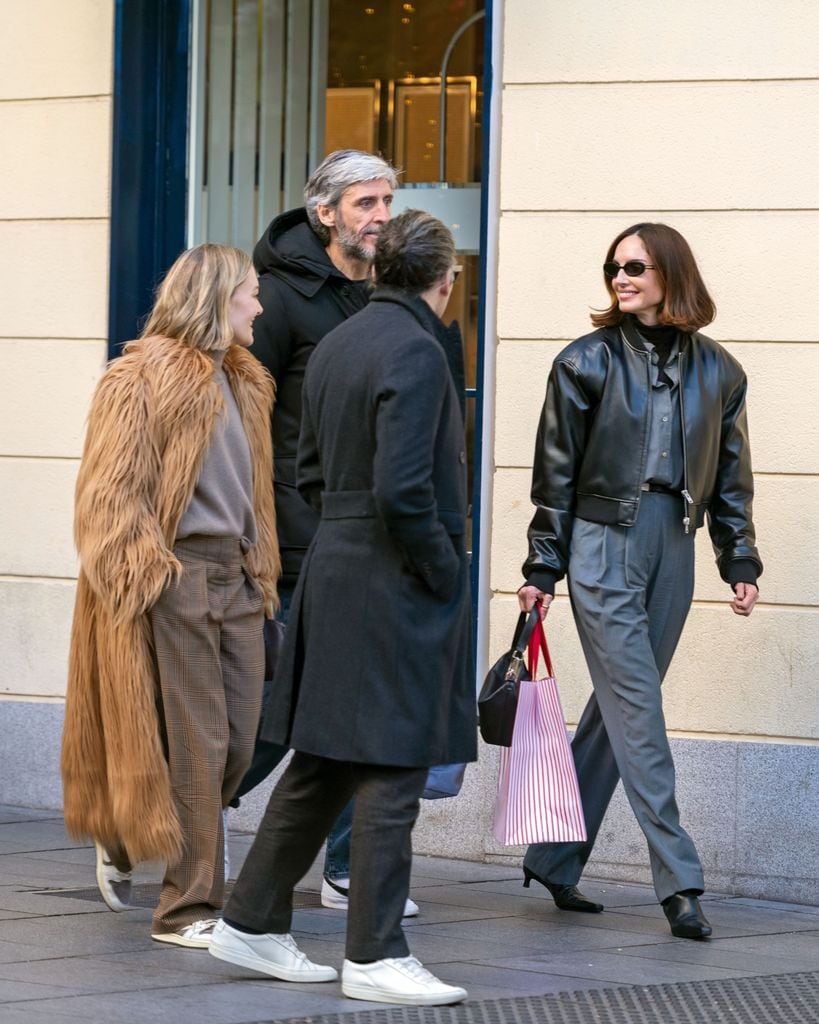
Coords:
146,894
771,999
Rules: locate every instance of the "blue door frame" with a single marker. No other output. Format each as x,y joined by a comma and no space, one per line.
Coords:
477,510
149,158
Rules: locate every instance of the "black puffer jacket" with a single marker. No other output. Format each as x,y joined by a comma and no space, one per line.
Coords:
592,442
303,296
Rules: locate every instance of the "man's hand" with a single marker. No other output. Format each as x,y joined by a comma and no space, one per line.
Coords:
528,595
745,597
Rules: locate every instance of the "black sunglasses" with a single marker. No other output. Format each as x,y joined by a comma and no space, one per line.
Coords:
632,268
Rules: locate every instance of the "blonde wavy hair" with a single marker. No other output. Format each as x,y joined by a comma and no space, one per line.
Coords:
193,301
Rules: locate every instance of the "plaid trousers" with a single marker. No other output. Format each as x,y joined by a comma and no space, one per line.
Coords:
207,631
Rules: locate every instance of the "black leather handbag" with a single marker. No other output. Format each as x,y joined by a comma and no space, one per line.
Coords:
498,699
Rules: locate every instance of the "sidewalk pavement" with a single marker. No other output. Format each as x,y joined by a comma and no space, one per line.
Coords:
64,957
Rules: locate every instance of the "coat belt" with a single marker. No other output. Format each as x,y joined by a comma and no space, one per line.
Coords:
347,505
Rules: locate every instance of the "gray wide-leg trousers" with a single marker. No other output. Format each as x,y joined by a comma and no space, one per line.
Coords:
631,588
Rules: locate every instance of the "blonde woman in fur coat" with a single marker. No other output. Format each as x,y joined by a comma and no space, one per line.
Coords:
174,524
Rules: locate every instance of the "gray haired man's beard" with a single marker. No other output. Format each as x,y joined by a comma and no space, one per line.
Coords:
352,246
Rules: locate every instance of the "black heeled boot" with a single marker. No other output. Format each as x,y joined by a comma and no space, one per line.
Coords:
566,897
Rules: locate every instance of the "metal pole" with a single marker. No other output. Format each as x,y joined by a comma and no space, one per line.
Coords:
442,114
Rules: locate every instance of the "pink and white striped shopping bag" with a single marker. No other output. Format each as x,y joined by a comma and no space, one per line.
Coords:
538,798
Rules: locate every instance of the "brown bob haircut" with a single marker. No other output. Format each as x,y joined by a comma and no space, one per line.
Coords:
686,303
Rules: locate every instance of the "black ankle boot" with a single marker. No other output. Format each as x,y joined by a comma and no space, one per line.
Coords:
685,916
566,897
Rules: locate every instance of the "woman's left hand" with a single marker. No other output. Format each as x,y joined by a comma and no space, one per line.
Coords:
745,597
528,596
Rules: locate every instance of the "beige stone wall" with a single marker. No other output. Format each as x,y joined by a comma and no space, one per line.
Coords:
55,122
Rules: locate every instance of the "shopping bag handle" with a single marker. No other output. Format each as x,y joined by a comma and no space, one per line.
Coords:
537,643
520,641
524,630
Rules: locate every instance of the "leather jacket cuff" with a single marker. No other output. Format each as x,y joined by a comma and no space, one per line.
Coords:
544,580
741,570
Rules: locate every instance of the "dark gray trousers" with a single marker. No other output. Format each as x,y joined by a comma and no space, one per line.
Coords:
631,588
304,805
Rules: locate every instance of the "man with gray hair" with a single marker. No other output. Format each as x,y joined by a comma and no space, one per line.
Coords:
314,267
375,683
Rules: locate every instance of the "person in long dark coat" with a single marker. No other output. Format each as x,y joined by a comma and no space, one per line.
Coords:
314,268
375,682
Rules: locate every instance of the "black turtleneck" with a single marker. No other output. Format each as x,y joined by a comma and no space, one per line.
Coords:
662,337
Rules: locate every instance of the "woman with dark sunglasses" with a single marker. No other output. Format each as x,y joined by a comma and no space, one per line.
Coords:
643,432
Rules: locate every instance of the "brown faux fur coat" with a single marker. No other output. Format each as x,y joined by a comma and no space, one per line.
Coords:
149,427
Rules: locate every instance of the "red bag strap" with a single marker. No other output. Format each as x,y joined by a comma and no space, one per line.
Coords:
537,643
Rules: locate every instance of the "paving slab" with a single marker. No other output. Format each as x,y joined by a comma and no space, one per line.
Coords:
78,934
29,1013
488,980
723,953
554,935
766,905
462,872
18,900
16,991
614,967
796,945
10,815
109,974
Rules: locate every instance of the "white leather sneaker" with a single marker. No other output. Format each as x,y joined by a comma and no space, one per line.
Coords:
335,894
114,885
397,980
276,955
192,936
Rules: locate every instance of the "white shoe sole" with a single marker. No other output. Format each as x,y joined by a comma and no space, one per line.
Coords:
257,963
172,939
335,901
376,995
108,898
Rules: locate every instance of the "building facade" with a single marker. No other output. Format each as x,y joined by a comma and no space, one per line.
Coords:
594,116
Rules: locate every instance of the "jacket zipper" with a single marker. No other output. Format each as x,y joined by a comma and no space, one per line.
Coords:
688,502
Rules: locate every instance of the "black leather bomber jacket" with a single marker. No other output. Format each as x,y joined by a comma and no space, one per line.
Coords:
592,445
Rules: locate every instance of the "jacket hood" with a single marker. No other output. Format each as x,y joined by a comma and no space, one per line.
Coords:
291,250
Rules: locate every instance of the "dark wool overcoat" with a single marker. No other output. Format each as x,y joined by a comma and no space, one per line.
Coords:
376,665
